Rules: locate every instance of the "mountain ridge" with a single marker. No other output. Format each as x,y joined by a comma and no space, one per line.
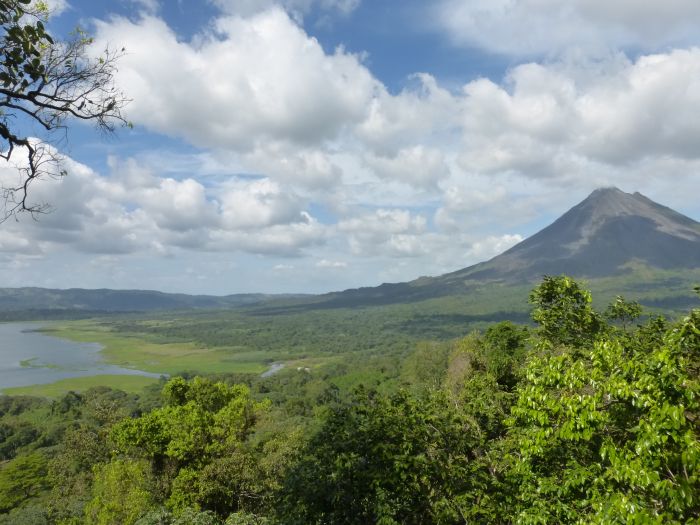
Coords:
106,300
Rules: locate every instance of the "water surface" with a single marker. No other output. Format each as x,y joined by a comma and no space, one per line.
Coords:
28,357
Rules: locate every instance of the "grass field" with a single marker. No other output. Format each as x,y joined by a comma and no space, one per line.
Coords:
135,351
79,384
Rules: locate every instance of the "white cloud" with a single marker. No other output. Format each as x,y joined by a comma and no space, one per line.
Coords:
534,27
305,167
417,166
255,204
299,152
286,240
57,7
135,211
465,207
421,113
567,122
16,243
325,263
491,246
252,81
395,232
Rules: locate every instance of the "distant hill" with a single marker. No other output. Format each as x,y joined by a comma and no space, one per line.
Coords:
608,235
106,301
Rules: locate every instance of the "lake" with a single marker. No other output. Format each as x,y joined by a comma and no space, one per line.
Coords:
28,358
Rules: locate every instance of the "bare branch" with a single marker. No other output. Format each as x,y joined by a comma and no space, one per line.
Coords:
47,83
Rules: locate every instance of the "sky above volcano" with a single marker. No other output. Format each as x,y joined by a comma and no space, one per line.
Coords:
317,145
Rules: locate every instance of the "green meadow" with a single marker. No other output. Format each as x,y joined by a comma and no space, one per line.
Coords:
136,351
132,384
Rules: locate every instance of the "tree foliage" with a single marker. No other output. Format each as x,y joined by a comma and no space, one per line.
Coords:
387,459
21,479
121,493
564,312
611,432
624,312
201,430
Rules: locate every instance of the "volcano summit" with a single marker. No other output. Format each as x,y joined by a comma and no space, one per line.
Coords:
599,237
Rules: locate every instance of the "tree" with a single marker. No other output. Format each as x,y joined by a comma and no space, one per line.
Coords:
195,443
121,494
609,433
44,82
388,460
623,311
564,312
22,479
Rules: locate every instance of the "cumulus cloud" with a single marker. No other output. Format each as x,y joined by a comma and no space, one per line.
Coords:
395,232
305,167
417,166
133,210
299,151
286,240
57,7
250,81
463,207
552,121
534,27
254,204
419,114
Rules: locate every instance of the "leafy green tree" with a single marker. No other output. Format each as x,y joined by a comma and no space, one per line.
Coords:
195,444
427,365
564,312
70,471
159,516
609,433
624,312
26,515
387,459
194,517
483,372
21,479
245,518
42,83
504,346
122,492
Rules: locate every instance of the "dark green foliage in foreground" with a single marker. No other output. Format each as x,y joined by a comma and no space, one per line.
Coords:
388,459
611,433
586,419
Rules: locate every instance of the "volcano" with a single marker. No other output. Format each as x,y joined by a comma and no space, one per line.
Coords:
600,237
605,235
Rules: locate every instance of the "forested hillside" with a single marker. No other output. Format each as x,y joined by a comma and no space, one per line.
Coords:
591,417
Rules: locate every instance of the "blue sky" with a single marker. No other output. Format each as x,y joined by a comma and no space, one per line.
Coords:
316,145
